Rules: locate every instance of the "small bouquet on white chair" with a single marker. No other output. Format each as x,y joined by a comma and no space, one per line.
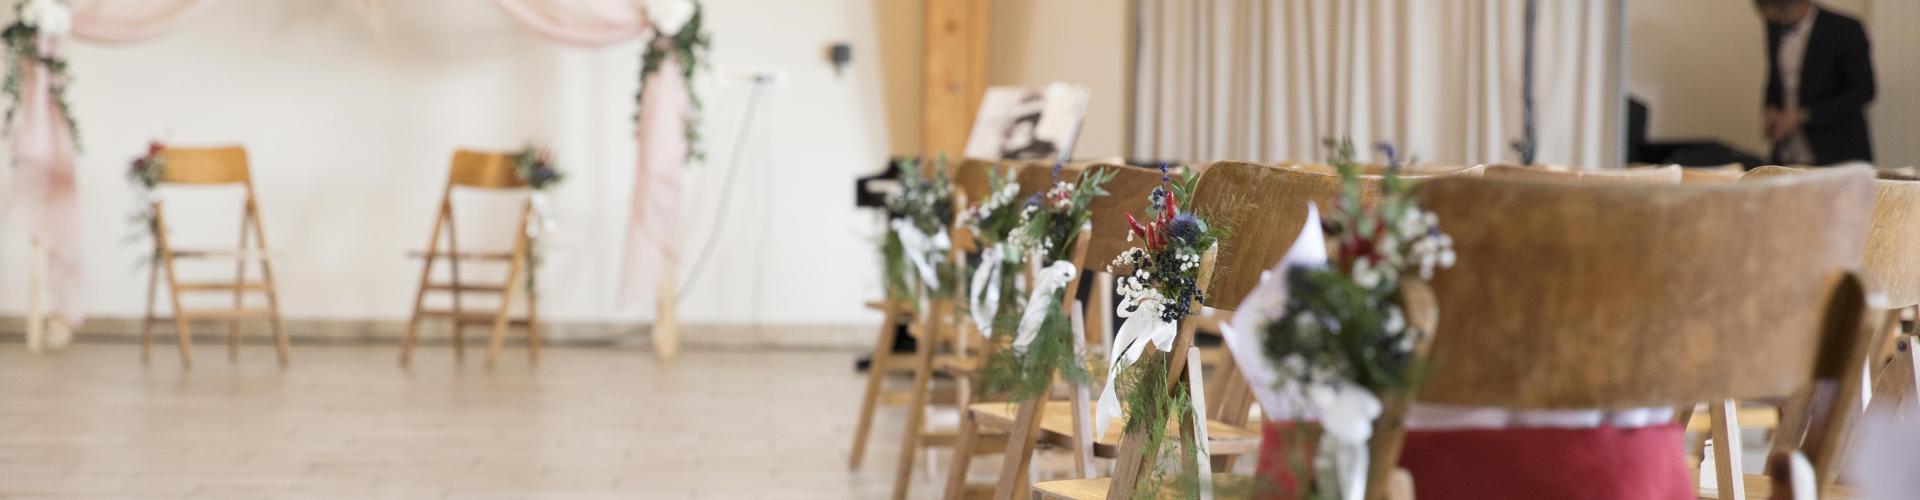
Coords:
1323,338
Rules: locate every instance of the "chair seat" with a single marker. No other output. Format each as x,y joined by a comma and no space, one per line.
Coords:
1056,428
1225,485
1750,417
1760,487
421,254
230,253
219,286
955,364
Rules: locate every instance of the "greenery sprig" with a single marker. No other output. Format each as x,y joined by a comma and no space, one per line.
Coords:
690,45
23,38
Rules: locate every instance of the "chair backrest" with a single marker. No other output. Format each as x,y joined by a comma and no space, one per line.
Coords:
1669,174
1723,173
1127,194
1380,169
1590,295
1261,208
485,170
214,165
1893,246
1895,238
973,178
1036,178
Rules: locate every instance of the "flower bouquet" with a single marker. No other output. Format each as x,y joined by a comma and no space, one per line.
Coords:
534,165
995,282
1323,339
1038,342
143,175
1160,284
914,250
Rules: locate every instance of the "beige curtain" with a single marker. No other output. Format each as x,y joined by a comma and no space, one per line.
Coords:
1269,80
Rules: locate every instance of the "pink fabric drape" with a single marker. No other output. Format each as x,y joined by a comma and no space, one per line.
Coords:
581,23
127,21
45,200
654,231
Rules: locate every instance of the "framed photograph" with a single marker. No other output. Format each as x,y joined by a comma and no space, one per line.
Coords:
1028,123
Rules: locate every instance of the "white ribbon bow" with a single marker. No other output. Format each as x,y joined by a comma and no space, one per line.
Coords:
918,245
985,290
1143,327
543,222
1052,278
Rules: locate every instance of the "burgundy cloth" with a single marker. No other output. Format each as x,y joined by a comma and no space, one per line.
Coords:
1276,478
1603,463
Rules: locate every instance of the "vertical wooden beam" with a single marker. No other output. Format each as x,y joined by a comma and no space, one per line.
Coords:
953,73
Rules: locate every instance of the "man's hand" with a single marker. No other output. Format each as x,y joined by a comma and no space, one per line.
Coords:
1780,124
1768,119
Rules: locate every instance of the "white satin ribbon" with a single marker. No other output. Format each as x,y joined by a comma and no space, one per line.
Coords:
543,222
1143,327
985,290
918,246
1054,277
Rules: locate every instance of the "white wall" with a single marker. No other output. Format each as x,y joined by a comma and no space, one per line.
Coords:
1700,65
350,129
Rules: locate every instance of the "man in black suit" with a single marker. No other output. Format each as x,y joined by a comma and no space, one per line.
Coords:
1819,81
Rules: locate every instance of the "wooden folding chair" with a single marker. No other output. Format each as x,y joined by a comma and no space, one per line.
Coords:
944,340
212,166
1552,308
477,170
1890,243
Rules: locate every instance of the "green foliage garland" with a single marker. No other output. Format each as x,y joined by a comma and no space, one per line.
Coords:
690,45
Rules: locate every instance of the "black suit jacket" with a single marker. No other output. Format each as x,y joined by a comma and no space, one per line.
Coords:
1836,83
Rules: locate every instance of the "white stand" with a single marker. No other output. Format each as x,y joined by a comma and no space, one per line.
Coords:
43,331
666,319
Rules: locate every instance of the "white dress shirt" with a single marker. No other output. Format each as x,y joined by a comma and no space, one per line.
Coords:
1793,52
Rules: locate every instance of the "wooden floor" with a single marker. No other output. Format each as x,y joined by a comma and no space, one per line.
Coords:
348,422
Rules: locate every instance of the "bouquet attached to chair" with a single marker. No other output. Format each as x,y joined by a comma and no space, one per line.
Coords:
913,252
534,165
1033,339
1160,285
1323,339
143,175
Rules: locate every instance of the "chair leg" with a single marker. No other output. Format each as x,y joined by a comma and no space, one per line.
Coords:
146,325
533,322
239,291
1726,448
962,456
498,341
916,409
876,373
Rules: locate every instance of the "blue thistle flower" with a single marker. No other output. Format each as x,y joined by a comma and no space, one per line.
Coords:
1186,227
1164,176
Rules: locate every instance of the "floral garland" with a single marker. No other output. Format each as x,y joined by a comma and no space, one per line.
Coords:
914,249
38,22
534,165
1159,288
143,175
1035,343
680,30
1339,340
